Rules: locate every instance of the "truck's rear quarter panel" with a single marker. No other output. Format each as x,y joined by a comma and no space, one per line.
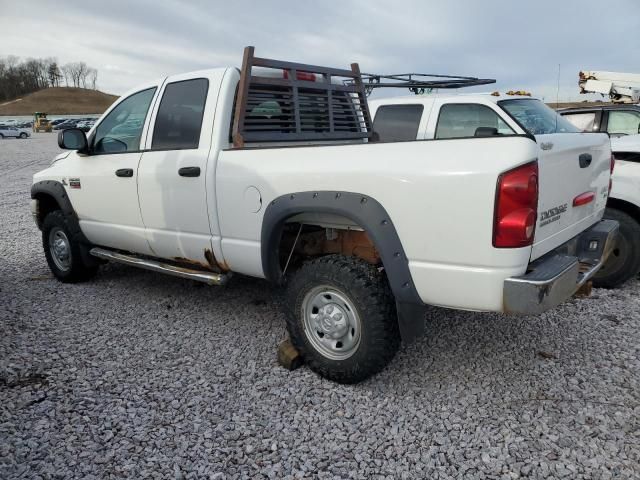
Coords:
439,194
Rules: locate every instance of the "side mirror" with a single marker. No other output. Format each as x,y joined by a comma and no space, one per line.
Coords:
486,132
73,139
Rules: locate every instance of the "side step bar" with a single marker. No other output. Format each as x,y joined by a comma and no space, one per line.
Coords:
209,278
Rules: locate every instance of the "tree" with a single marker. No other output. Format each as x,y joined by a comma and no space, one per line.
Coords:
19,77
54,74
93,78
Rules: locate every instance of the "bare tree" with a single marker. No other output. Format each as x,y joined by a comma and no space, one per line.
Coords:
19,77
66,72
93,78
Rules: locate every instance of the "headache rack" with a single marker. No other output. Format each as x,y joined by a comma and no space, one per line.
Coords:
294,102
418,83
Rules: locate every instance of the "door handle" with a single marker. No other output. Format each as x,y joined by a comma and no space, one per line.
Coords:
585,160
189,172
124,172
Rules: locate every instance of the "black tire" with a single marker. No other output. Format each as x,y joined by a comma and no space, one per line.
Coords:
624,261
55,227
23,135
1,136
367,289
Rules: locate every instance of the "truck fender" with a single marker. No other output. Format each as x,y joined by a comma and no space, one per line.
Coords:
370,215
55,190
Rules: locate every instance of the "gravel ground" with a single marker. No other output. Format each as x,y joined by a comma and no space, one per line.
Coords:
135,374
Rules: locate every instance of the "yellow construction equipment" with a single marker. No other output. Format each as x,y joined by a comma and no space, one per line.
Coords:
41,123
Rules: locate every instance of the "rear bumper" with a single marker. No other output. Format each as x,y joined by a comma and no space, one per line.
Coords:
555,277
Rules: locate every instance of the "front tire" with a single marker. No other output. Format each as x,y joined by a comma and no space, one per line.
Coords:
62,251
23,135
624,261
341,317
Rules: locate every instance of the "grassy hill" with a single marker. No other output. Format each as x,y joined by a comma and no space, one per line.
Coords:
59,101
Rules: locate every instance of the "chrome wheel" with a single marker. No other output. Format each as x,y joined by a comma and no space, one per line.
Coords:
60,249
331,322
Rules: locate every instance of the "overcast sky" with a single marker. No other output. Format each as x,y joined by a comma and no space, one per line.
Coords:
520,43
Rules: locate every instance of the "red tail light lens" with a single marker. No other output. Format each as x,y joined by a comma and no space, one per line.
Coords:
611,167
516,208
613,163
307,76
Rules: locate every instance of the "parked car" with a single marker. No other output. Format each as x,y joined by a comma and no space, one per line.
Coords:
362,235
70,123
58,121
86,125
622,123
15,132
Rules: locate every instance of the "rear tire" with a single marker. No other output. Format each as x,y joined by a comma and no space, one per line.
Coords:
341,317
624,261
62,251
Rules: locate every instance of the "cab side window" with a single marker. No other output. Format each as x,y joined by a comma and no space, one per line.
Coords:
584,121
397,123
623,122
179,118
463,120
121,129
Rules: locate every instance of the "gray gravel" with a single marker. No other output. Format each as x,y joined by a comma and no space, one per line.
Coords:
140,375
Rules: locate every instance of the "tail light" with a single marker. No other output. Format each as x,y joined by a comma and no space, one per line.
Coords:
516,208
612,165
308,76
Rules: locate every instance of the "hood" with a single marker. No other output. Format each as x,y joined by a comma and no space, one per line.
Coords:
60,156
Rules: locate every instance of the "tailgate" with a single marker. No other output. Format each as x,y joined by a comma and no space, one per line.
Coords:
569,165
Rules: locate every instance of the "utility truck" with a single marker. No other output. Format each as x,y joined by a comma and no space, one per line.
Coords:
619,87
274,171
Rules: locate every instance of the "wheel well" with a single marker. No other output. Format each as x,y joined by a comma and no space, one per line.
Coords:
46,205
626,207
300,241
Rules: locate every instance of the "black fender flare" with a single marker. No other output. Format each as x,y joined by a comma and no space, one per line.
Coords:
56,190
369,214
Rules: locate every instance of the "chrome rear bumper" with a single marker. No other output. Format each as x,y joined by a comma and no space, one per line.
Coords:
555,277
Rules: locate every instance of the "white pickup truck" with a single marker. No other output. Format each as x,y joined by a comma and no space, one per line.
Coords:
277,176
622,123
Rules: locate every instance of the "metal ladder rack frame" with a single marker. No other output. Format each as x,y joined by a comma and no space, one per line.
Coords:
316,110
419,83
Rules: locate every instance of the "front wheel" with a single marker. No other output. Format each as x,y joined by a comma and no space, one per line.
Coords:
62,251
341,317
624,261
23,135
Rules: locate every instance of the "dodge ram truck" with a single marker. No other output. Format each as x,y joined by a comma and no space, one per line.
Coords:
274,171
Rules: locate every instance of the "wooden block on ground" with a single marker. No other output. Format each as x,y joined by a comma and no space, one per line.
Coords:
288,356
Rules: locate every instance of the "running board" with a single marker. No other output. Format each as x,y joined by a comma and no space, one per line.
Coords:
210,278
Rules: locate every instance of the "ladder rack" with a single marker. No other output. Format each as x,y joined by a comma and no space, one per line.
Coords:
419,83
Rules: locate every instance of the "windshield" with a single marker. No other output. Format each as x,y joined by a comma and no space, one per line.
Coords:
535,117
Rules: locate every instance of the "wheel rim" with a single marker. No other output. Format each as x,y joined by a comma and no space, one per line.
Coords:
331,323
60,249
617,258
